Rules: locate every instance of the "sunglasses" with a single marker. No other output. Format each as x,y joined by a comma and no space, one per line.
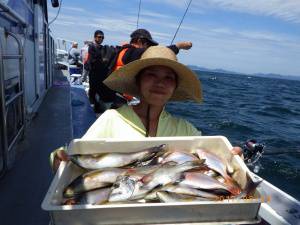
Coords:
100,37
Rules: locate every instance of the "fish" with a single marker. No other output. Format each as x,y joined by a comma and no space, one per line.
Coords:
94,197
168,173
178,157
165,196
114,160
156,159
92,180
136,185
202,181
127,188
215,163
186,190
250,187
151,196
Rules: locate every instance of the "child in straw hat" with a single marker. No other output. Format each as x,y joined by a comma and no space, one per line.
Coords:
156,78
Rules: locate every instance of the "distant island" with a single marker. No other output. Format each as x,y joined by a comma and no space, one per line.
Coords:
267,75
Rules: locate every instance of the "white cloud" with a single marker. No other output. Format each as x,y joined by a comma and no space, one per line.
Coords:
288,10
75,9
153,14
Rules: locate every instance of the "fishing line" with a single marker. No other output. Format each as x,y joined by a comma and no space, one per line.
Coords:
137,22
56,14
181,21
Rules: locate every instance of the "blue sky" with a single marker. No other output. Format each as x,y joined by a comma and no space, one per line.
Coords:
247,36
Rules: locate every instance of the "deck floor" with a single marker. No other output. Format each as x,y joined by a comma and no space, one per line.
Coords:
24,186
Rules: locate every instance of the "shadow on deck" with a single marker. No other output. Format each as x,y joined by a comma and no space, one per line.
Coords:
23,188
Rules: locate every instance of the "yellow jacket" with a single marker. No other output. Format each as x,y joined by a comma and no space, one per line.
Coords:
125,123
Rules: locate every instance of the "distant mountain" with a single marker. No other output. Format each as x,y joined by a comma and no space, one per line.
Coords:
193,67
267,75
279,76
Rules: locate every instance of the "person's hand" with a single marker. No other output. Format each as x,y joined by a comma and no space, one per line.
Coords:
186,45
60,155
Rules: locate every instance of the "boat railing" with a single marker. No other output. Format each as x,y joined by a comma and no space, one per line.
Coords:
10,12
12,105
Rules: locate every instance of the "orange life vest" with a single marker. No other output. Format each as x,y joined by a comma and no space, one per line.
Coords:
120,62
118,65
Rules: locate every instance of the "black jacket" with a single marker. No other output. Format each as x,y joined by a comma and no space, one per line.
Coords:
101,62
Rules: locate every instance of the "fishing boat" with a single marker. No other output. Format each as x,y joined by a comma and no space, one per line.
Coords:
40,111
62,48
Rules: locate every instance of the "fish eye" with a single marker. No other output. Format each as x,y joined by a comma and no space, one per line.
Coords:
116,185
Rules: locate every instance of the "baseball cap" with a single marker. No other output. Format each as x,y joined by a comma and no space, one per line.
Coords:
143,33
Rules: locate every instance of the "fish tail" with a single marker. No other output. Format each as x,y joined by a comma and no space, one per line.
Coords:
232,186
250,187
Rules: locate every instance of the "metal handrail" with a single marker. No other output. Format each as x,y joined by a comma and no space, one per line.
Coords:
14,98
4,146
13,14
12,56
4,103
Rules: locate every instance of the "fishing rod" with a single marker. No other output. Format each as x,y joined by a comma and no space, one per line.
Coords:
137,22
181,21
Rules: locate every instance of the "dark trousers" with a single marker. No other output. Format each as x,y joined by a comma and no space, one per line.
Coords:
99,94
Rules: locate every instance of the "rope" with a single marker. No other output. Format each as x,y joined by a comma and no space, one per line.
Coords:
181,21
56,14
137,22
148,122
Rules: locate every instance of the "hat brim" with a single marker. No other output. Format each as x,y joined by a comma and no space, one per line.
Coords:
188,86
153,43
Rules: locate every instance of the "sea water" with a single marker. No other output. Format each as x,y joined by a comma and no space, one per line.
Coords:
243,107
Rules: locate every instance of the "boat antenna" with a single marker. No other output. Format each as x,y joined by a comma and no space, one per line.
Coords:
181,21
137,22
56,14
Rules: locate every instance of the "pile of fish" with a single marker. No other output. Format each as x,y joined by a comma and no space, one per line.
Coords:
153,175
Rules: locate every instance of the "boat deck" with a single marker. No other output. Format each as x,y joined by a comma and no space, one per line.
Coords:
23,188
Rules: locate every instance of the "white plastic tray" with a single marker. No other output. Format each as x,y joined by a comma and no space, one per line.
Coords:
226,211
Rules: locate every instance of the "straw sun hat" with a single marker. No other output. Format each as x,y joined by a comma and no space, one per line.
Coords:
188,87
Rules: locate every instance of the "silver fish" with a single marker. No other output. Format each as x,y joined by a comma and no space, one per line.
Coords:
92,180
168,173
151,196
215,163
178,157
113,160
186,190
202,181
95,197
127,188
164,196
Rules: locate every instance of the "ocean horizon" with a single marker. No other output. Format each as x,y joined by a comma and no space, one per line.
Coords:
243,107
